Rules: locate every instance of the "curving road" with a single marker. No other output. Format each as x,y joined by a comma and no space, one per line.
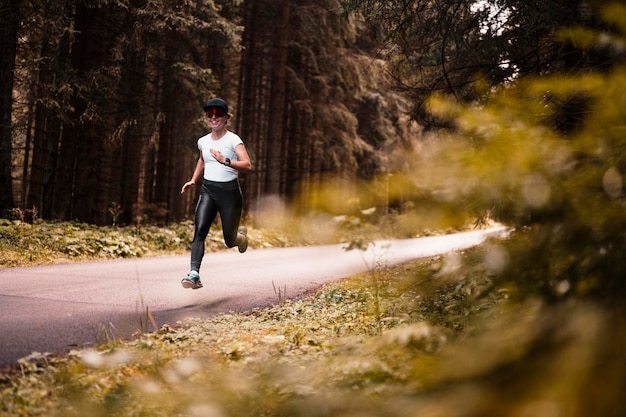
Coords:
71,306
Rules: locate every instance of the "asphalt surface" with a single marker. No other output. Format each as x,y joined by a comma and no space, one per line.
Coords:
58,308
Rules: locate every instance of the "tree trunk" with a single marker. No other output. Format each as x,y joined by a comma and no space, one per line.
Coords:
45,150
165,151
27,148
9,23
48,127
244,97
76,182
276,130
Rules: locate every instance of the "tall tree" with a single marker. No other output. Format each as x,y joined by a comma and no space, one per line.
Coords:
77,174
51,101
278,100
9,22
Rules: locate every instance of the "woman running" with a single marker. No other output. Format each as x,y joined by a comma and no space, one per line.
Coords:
223,156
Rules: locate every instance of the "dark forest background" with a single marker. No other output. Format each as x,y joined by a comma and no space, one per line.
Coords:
101,100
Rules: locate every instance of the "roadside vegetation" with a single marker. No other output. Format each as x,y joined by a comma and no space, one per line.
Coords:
38,243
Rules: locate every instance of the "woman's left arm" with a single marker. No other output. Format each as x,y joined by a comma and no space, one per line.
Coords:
243,163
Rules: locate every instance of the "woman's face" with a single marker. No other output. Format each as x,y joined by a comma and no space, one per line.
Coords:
216,118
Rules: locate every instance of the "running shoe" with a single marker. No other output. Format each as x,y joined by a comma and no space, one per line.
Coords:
192,280
243,246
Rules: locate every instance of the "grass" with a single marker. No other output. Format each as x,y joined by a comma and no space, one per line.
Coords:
24,244
418,339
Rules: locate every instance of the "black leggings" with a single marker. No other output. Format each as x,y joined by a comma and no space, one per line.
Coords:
216,197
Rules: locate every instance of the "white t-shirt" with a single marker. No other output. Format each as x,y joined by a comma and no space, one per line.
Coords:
213,170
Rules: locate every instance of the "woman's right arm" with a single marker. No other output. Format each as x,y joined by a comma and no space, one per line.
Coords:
197,173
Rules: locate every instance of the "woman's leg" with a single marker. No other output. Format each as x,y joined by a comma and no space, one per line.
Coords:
230,207
206,210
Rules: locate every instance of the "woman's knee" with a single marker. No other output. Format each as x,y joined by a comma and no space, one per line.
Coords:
201,232
230,240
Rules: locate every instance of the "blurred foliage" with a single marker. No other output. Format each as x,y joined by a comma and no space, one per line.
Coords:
546,156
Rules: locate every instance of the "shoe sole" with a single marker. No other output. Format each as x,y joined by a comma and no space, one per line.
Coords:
243,231
187,283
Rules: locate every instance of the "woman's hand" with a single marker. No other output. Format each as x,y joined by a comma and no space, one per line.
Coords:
219,157
187,185
197,173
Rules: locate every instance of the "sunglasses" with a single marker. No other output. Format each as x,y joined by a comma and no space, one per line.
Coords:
215,111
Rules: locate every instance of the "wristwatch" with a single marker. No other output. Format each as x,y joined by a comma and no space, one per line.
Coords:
227,162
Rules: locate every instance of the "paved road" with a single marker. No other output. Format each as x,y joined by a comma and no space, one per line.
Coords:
62,307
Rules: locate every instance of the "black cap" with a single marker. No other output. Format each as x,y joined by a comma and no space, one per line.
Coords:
216,102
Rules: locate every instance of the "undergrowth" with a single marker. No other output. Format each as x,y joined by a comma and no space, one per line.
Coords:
23,244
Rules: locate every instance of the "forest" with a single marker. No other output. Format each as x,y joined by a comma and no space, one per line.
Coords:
101,99
102,102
